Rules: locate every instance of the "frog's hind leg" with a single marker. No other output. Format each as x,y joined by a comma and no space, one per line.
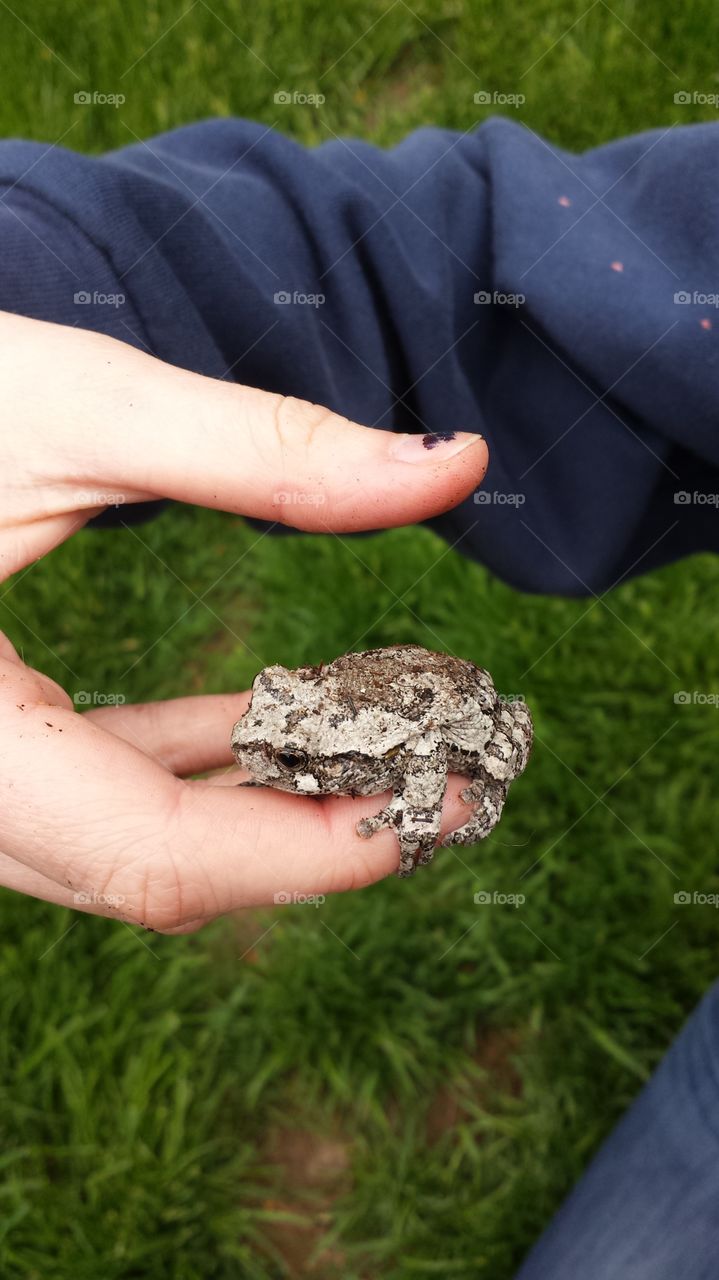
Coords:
488,797
415,811
417,832
391,816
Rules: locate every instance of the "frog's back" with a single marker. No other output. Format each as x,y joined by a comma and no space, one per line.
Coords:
411,680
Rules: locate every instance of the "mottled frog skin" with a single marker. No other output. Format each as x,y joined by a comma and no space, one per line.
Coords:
397,719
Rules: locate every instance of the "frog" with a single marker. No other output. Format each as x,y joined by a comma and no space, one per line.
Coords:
399,719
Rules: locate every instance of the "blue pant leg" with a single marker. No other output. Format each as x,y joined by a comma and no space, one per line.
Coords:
648,1206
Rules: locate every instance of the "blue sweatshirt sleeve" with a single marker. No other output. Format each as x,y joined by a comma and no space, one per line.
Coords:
562,305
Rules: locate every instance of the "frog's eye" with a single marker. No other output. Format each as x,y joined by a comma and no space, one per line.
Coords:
291,760
393,751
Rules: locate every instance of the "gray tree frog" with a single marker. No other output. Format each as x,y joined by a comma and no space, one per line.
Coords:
396,719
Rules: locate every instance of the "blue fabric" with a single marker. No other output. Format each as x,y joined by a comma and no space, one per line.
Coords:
597,394
648,1206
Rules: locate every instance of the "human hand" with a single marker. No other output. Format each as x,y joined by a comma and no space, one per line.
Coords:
97,813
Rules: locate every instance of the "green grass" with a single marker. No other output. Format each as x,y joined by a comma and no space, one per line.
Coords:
399,1083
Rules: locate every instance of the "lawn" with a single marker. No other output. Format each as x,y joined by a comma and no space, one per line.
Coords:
403,1082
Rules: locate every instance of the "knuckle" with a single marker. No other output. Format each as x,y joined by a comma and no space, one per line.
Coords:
146,896
161,916
162,903
188,926
298,421
154,885
178,894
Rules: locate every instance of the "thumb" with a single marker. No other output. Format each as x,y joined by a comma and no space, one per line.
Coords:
146,427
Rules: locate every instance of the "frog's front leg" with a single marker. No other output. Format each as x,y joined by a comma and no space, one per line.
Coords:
415,809
488,796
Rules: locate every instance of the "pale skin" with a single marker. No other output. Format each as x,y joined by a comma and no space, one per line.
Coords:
99,804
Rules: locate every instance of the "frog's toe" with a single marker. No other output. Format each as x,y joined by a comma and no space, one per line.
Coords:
416,846
489,801
367,827
388,817
407,864
426,854
418,837
415,853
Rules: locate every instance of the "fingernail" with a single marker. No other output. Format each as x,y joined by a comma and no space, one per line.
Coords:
436,446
